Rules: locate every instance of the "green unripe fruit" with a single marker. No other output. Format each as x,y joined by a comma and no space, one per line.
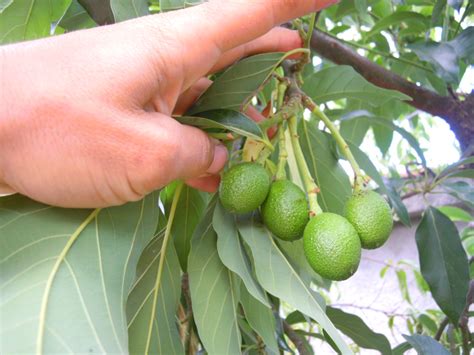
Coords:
371,216
244,187
332,246
285,212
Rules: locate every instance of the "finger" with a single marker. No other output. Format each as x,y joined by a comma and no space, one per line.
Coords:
207,184
207,31
277,40
189,97
229,24
167,151
256,116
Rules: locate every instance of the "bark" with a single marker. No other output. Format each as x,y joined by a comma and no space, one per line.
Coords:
458,113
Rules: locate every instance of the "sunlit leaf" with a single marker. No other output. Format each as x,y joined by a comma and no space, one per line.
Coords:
443,262
65,274
76,18
456,214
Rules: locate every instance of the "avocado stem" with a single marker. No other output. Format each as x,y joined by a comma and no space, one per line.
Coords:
359,182
282,152
310,185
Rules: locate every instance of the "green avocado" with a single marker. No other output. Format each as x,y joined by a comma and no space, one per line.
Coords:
244,187
332,246
285,212
371,216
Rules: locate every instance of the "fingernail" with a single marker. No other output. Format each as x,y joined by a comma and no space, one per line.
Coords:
220,158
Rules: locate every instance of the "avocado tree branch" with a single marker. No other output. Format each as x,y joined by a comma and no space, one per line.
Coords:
456,112
295,338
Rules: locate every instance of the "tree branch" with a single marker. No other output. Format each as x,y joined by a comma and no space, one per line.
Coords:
295,338
457,113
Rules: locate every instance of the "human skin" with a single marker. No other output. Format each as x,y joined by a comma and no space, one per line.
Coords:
85,118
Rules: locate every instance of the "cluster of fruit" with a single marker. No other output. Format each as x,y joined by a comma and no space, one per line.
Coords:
332,243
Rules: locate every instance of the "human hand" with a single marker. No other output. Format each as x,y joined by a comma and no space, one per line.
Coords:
85,118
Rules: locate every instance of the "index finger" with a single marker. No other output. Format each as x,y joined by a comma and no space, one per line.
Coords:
227,24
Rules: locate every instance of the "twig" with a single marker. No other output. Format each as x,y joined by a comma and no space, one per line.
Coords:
387,313
441,328
295,338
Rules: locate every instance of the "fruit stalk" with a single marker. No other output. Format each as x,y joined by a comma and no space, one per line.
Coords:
308,181
358,178
282,152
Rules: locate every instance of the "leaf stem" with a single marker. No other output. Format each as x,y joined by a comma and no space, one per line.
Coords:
358,176
309,34
312,189
164,245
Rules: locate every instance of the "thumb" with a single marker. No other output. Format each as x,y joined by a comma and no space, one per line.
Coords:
177,152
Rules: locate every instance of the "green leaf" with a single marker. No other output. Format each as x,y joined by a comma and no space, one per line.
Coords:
188,214
462,190
440,5
4,4
425,345
238,84
228,120
402,284
319,151
164,333
450,169
401,348
212,292
260,318
29,19
366,164
445,55
355,328
65,274
343,82
171,5
428,323
279,278
76,18
443,262
355,130
456,214
405,134
128,9
232,253
293,251
399,17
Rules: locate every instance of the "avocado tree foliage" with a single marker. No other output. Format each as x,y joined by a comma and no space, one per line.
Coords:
176,273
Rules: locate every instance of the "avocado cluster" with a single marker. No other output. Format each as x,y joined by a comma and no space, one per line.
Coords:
332,243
